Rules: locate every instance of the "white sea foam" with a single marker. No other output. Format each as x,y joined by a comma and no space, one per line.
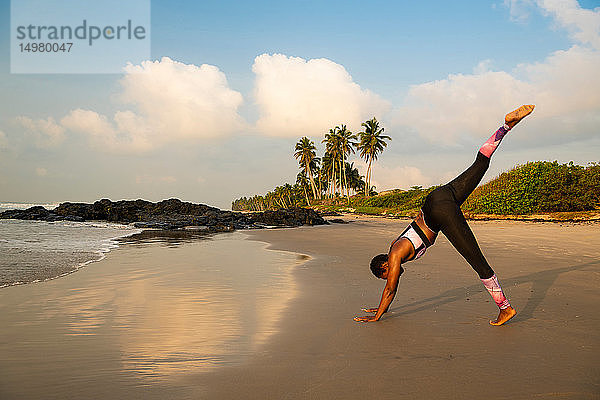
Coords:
35,251
23,206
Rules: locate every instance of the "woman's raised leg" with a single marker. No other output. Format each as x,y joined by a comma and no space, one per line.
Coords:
464,184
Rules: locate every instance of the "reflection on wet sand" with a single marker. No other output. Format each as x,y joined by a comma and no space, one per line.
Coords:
155,312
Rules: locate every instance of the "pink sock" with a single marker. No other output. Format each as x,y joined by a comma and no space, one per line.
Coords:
493,287
489,147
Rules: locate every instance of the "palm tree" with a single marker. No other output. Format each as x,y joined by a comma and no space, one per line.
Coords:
333,150
288,190
346,144
302,181
354,179
372,142
323,177
305,154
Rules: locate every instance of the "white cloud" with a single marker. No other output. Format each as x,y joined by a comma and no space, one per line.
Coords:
102,132
385,178
181,100
447,110
483,67
565,88
519,9
581,23
170,101
46,132
297,97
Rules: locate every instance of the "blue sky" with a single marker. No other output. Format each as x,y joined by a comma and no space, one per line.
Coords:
415,65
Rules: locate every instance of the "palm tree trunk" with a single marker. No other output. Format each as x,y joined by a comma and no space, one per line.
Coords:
368,188
334,181
345,182
312,182
340,175
319,177
306,195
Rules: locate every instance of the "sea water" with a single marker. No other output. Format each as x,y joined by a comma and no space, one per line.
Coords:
34,251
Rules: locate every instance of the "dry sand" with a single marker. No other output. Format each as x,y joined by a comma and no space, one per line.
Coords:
435,343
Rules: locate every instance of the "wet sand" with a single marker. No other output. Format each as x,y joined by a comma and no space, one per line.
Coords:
134,324
434,343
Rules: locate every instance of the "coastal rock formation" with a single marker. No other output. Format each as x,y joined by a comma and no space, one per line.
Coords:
169,214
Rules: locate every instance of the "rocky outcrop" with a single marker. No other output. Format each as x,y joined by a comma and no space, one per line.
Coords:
169,214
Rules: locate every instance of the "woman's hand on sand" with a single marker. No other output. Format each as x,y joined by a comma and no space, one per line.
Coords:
367,318
372,310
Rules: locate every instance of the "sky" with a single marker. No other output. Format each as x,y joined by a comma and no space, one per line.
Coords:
231,86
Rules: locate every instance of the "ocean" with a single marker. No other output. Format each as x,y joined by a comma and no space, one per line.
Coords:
34,251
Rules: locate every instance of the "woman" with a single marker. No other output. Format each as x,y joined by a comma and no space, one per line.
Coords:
441,212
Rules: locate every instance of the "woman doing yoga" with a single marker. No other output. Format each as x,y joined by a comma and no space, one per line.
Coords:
441,212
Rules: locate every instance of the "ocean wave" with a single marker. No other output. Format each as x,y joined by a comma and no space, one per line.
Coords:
24,206
38,251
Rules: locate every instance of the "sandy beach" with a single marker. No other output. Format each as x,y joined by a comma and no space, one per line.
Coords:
434,343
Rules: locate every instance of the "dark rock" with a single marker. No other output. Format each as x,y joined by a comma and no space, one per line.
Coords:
337,221
38,213
169,214
288,217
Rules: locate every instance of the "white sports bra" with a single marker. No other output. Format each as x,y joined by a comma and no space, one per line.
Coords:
417,238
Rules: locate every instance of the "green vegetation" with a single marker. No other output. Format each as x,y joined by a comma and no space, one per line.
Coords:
536,187
539,187
396,202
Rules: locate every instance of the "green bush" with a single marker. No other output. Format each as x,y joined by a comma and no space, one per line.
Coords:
540,186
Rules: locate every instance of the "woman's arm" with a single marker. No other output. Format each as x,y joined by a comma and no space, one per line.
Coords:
389,292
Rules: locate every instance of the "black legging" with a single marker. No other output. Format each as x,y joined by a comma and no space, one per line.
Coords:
442,213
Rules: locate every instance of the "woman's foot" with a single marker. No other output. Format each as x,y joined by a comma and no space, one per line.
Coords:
504,315
513,117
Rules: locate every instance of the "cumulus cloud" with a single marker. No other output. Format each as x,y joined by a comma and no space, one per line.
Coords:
181,100
519,9
109,135
308,97
445,111
565,88
582,24
45,132
168,101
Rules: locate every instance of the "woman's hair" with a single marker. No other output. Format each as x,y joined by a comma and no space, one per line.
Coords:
377,264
